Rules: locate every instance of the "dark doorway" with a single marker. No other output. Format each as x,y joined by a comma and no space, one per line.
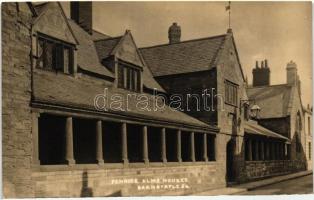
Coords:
112,142
84,140
51,139
154,144
229,162
135,143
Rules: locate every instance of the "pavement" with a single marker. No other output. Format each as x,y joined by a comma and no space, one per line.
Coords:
300,185
244,188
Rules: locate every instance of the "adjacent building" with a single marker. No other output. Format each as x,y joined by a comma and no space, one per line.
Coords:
308,112
281,108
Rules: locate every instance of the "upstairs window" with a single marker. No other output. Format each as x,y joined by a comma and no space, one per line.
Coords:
129,77
54,55
231,93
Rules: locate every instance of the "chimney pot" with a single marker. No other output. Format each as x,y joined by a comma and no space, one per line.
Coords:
261,76
174,33
266,63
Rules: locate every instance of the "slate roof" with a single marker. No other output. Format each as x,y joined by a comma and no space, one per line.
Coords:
253,128
184,57
87,57
96,35
106,46
275,100
80,92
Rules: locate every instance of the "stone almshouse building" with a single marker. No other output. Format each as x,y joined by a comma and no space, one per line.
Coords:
60,141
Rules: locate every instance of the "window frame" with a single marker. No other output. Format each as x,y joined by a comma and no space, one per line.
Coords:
231,93
129,82
65,45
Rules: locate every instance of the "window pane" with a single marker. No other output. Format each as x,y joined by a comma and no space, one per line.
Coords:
58,60
125,77
49,55
130,79
66,60
138,80
40,54
120,76
135,80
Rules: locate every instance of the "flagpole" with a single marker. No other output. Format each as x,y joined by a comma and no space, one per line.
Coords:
229,14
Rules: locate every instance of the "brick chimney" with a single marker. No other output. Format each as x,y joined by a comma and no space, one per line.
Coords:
82,14
261,75
292,75
174,33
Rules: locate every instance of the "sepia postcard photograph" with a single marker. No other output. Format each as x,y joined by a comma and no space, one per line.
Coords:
151,98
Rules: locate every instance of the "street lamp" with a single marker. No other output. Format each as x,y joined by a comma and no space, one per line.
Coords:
255,109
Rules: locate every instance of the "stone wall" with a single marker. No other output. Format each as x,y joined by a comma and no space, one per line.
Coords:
16,95
175,180
190,84
263,169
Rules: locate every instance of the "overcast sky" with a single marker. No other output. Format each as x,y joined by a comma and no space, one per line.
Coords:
279,32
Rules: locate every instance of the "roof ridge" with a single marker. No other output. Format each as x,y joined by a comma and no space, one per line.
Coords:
186,41
111,38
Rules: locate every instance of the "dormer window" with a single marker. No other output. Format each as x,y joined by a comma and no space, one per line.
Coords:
129,77
54,55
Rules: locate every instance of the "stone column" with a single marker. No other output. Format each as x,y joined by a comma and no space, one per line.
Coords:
69,155
192,147
277,151
267,151
179,158
205,157
163,145
282,152
256,150
249,146
124,143
99,150
262,150
272,151
145,145
35,124
286,151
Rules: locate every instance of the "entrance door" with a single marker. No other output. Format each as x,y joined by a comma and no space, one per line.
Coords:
229,162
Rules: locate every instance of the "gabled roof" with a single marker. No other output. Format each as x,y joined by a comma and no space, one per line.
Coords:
113,46
87,58
252,127
183,57
42,8
96,35
275,100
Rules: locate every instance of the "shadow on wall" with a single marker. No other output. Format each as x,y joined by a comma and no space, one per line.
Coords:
86,191
300,154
